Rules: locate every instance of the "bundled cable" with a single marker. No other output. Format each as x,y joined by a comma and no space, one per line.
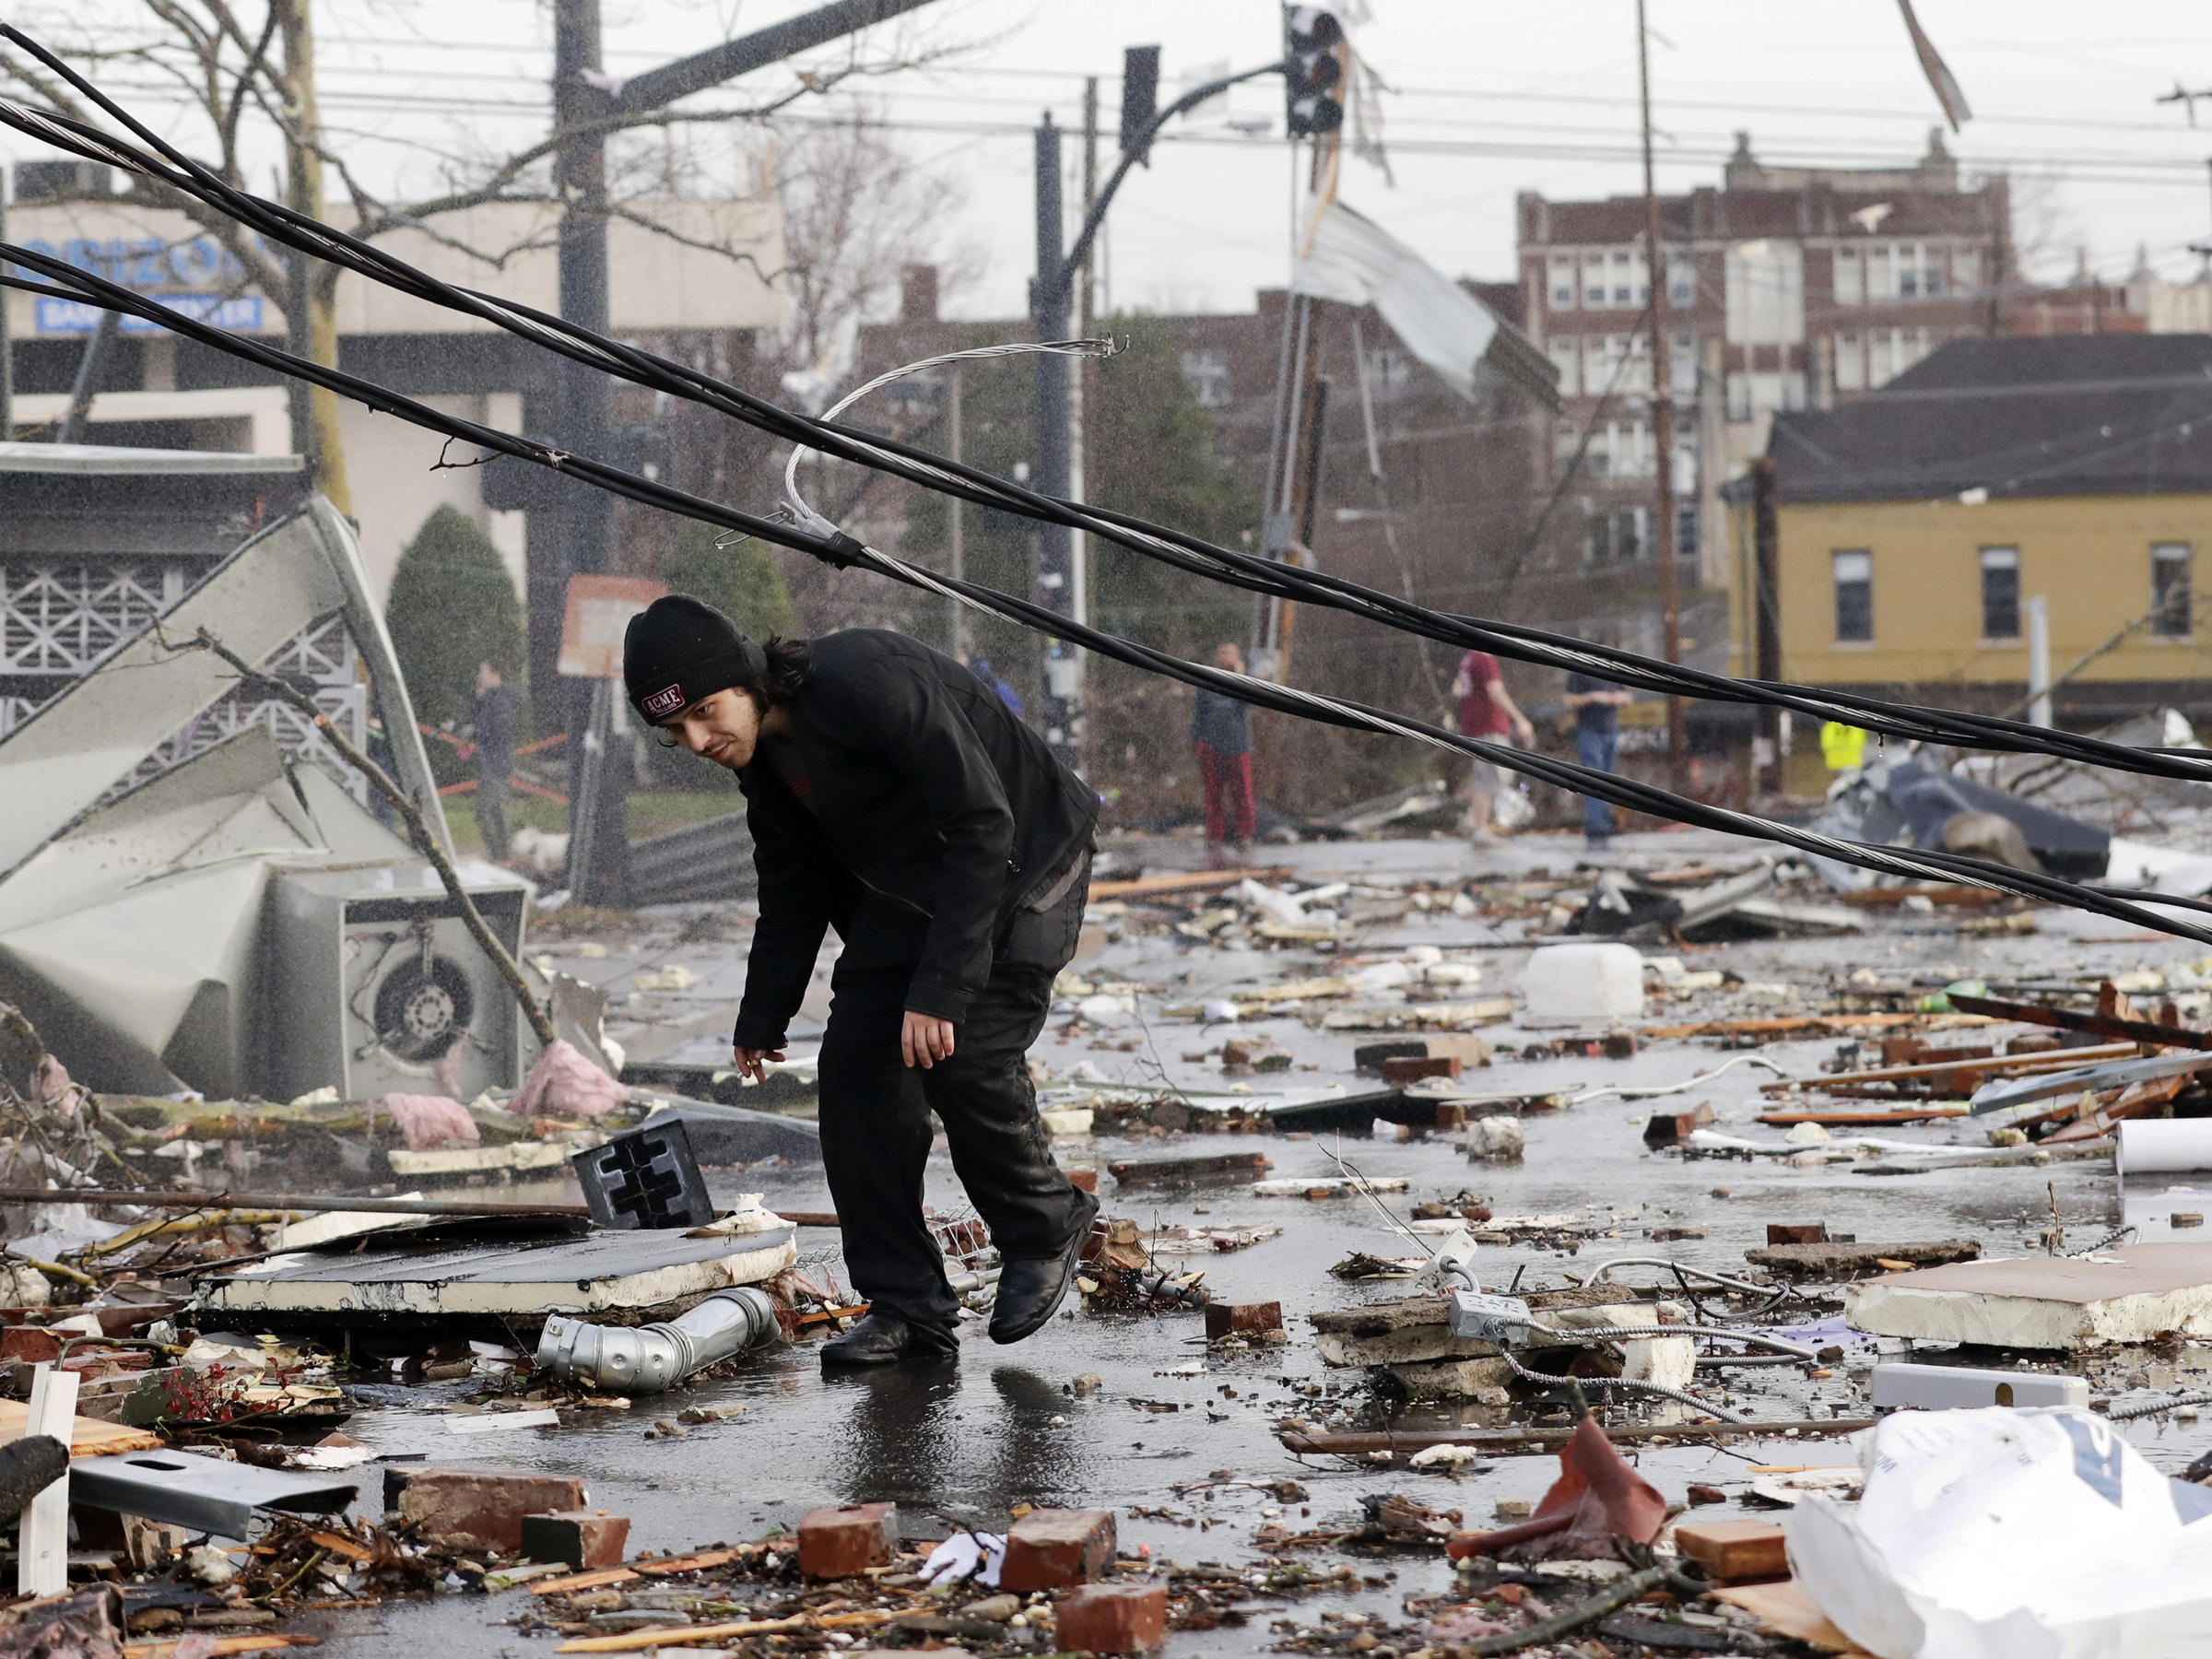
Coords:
158,160
816,537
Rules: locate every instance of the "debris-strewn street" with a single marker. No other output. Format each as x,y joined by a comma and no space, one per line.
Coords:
1260,1426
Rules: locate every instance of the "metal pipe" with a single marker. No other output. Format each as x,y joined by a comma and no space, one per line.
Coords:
649,1358
1733,1333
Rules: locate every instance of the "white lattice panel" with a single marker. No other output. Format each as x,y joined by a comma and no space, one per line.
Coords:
63,618
13,712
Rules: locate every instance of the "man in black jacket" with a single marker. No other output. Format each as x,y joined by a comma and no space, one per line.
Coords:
892,796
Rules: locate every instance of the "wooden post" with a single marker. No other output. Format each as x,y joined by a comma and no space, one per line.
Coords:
42,1537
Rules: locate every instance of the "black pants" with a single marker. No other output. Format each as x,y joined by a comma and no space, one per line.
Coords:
874,1117
491,814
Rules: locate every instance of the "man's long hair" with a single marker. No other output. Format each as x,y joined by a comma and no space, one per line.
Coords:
790,666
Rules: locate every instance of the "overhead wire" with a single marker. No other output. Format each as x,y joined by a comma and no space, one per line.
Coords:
819,538
1275,578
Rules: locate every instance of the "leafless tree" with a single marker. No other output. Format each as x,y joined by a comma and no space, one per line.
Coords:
247,79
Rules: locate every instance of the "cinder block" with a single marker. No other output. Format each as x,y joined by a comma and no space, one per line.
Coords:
1047,1549
1241,1319
838,1543
1900,1387
486,1507
1796,1233
1112,1618
1735,1549
585,1539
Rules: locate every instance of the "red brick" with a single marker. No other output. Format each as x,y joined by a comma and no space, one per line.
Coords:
486,1506
1049,1548
1664,1128
1806,1232
30,1344
1241,1319
1112,1618
1451,1115
585,1539
1085,1181
1409,1069
838,1543
1735,1549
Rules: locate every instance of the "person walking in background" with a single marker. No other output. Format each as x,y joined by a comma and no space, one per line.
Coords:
1486,709
1597,704
1222,732
982,670
491,729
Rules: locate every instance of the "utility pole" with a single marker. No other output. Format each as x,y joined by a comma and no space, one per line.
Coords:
957,624
1766,620
587,105
311,328
1663,406
7,348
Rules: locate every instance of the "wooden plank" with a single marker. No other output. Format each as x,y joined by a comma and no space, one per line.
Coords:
1189,881
89,1437
597,1578
42,1545
2094,1025
1789,1609
1864,1120
1882,898
629,1642
268,1642
1795,1022
690,1563
1360,1443
2051,1060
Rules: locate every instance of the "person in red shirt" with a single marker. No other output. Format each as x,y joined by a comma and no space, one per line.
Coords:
1486,709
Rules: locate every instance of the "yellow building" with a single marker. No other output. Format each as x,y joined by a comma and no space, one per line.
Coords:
1914,530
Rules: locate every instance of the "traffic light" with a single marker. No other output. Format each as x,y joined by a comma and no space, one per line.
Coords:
1140,99
1314,54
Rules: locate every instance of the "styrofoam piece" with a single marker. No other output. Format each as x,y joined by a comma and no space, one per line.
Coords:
1582,984
2163,1146
1903,1387
2134,1294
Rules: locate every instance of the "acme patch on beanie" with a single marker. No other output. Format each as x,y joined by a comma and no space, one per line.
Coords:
678,650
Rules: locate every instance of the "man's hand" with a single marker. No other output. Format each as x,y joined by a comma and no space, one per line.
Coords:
1526,731
753,1062
924,1039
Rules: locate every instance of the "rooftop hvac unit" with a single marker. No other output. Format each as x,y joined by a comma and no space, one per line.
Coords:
379,989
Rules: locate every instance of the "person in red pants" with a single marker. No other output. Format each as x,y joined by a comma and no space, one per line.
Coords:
1222,732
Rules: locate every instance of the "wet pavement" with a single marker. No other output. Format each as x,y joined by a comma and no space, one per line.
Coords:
958,1445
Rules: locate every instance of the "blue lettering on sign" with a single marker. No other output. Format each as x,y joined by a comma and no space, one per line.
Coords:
241,312
150,265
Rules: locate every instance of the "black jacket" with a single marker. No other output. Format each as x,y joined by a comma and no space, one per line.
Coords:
925,795
1222,723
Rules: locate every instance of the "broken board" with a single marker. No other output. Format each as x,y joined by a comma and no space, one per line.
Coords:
2135,1294
89,1437
600,1272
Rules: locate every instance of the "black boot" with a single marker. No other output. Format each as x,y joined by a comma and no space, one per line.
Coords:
1031,1290
884,1339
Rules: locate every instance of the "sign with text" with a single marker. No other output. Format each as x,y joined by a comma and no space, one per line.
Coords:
598,613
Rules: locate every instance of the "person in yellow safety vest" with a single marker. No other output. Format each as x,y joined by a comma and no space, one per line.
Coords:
1842,746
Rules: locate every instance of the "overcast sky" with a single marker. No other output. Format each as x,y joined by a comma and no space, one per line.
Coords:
1486,100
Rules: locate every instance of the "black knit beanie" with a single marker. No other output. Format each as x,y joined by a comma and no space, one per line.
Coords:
678,650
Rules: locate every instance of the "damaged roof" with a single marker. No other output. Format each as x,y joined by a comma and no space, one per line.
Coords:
2078,415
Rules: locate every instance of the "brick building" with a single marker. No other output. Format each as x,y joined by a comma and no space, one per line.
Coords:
1786,288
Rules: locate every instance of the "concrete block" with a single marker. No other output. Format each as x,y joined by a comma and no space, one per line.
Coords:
838,1543
1669,1362
1838,1259
1241,1319
1112,1618
586,1539
1735,1550
1497,1139
1047,1549
1483,1380
2134,1294
485,1506
1960,1388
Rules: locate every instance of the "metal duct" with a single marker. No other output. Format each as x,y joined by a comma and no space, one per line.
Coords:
649,1358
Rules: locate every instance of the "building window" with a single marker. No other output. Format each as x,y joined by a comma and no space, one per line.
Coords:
1567,358
1685,530
1851,363
1637,376
1562,281
1207,370
1391,368
1765,293
1593,282
1966,270
1681,281
1751,395
2000,592
1631,279
1682,364
1855,595
2172,602
1851,276
1616,535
